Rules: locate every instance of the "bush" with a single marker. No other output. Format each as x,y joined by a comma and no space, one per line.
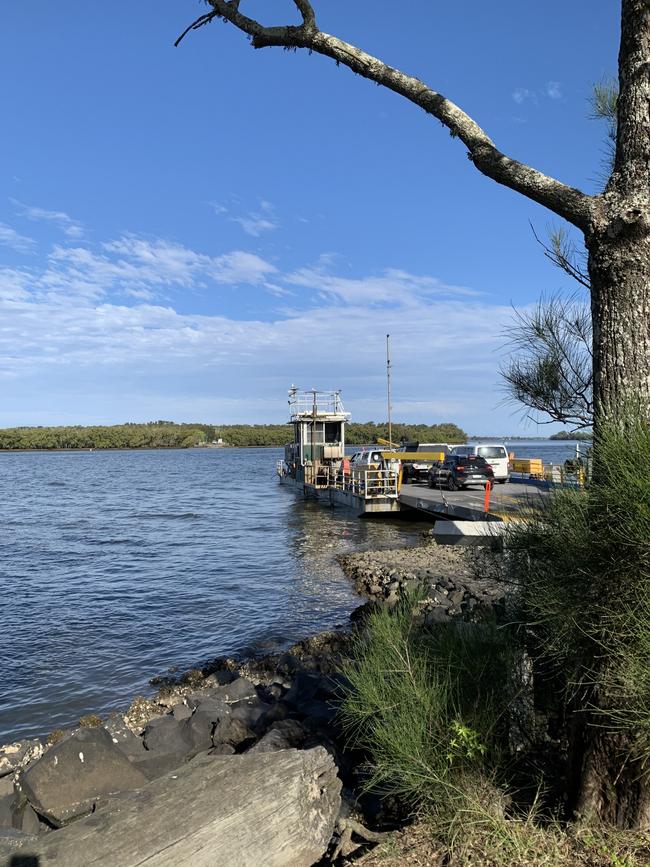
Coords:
427,708
582,565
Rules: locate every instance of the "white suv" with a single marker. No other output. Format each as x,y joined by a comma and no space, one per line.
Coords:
495,454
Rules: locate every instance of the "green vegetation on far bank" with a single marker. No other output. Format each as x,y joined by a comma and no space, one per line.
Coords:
167,434
585,435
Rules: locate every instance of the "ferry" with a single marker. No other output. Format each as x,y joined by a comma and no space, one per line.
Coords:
315,463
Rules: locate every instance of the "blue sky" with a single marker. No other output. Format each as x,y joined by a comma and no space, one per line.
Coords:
184,233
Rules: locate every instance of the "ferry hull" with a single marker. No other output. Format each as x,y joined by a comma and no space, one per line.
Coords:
334,497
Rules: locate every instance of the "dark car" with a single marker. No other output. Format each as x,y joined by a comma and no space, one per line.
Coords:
457,471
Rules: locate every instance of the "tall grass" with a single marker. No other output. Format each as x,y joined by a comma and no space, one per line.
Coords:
428,708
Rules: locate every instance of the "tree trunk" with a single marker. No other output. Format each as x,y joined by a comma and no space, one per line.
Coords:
613,788
619,268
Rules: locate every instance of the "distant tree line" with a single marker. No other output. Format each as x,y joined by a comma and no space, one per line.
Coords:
586,435
167,434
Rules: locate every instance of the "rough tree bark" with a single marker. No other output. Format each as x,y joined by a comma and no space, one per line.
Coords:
616,226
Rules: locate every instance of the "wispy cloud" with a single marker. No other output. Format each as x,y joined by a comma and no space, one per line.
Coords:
71,228
254,222
11,238
554,90
523,94
393,286
551,90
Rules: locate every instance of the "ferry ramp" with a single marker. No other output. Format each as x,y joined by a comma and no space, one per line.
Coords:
507,502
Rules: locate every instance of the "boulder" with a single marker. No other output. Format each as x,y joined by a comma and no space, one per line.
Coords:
17,755
198,728
71,776
165,735
181,712
11,842
241,688
232,731
220,678
275,809
251,712
6,811
122,736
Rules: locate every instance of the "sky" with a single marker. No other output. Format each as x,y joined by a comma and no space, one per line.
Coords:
187,232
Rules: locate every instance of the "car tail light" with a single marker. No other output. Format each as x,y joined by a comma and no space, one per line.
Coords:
489,467
460,469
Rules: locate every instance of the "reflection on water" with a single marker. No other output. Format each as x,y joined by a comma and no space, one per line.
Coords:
116,565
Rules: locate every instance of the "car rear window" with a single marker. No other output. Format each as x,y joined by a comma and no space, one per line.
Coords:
492,452
471,460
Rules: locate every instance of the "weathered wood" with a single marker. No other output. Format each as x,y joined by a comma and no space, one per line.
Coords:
276,809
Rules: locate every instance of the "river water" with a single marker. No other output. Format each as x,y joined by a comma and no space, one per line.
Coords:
115,566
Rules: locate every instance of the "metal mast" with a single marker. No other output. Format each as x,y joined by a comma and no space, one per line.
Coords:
390,426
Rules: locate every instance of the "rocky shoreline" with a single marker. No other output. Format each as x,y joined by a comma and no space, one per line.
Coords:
229,708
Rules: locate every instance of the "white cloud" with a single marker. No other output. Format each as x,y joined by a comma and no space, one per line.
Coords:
89,328
10,238
554,90
393,286
255,224
522,94
71,228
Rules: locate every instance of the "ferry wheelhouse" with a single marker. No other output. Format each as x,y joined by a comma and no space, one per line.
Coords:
315,462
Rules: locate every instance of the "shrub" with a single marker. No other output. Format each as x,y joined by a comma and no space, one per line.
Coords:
427,707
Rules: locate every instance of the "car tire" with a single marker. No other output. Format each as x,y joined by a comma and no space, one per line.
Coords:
430,482
451,484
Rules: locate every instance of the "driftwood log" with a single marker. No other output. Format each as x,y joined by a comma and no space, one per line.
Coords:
273,809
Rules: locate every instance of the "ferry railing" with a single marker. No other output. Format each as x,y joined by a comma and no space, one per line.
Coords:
366,483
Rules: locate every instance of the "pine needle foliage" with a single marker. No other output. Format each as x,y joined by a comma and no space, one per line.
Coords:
582,567
427,706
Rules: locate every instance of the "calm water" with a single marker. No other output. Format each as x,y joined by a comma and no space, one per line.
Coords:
115,566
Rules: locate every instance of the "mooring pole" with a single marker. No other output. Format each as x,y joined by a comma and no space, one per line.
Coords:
390,426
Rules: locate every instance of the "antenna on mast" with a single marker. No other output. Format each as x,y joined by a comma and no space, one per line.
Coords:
390,426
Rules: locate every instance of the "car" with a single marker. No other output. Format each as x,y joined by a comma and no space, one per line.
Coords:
458,471
368,459
413,471
495,454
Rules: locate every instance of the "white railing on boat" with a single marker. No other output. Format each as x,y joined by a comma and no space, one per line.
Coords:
365,483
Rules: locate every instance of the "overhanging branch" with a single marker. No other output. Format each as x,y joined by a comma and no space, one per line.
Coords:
568,202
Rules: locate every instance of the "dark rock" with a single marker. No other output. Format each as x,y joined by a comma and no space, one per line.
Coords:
6,786
304,687
277,712
232,731
16,755
26,820
238,690
167,736
220,678
436,615
198,728
154,765
6,811
318,714
11,841
251,713
222,750
294,732
69,778
181,712
456,597
275,691
122,736
271,742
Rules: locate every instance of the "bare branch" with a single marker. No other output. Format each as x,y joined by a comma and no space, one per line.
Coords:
200,21
570,203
